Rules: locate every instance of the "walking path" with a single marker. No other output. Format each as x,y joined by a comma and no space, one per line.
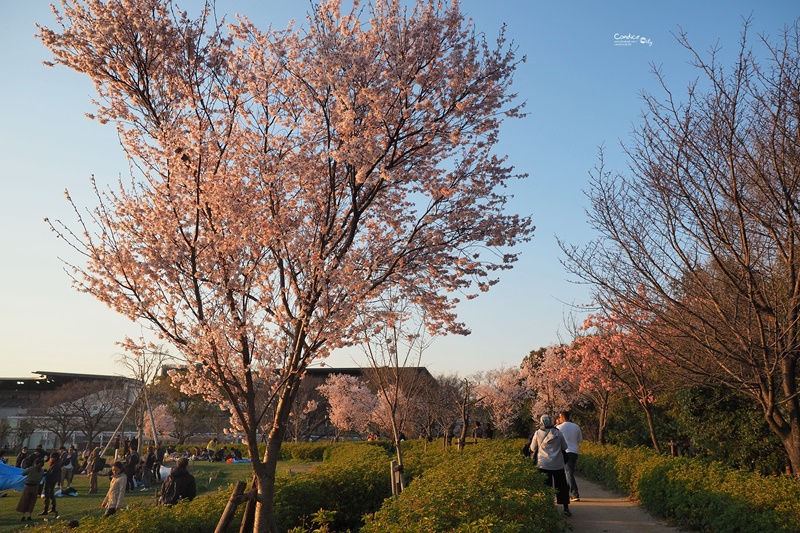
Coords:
602,511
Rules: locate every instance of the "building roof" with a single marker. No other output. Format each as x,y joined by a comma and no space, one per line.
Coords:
48,380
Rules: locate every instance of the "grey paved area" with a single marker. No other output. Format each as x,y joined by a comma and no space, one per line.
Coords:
602,511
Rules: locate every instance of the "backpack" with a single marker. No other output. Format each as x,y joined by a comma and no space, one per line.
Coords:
169,492
526,449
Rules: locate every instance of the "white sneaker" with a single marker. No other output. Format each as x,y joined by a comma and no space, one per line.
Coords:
575,499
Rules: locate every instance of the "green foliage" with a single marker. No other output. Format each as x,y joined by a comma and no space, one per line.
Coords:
352,481
694,493
488,487
201,514
303,452
719,424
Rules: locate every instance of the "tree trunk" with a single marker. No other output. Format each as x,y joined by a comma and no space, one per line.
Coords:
462,438
265,511
651,426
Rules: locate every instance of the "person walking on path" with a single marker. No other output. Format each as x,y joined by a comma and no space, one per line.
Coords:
547,450
33,477
116,492
572,434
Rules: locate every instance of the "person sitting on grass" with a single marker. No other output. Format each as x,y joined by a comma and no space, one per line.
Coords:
179,485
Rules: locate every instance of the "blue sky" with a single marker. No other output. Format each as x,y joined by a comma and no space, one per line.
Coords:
582,90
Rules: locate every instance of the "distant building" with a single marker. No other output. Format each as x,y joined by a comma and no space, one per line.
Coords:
19,397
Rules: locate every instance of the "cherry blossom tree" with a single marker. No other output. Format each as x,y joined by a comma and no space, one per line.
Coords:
547,380
188,414
350,403
163,424
618,358
503,393
282,180
592,378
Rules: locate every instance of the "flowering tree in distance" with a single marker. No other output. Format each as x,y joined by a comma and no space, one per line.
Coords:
503,393
350,403
592,377
284,180
618,358
545,377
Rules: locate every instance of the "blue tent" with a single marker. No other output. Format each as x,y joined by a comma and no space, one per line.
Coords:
11,477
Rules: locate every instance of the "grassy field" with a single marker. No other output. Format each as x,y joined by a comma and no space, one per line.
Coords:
210,477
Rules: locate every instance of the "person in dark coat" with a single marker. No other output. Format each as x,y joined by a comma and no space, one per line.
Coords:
179,485
131,463
51,479
22,458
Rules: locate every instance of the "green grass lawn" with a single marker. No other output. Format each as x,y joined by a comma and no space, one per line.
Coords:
209,476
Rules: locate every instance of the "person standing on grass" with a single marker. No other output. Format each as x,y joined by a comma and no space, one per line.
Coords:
147,469
477,432
547,450
160,451
33,477
572,433
51,479
69,464
116,492
22,458
131,462
96,463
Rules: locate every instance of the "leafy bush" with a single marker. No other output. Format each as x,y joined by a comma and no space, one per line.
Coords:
352,481
201,514
695,493
303,452
489,487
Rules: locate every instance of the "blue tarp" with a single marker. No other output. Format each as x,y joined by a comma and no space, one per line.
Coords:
11,477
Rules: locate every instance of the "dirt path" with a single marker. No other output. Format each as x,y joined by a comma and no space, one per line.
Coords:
601,511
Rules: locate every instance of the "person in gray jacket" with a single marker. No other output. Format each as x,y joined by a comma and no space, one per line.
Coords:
547,450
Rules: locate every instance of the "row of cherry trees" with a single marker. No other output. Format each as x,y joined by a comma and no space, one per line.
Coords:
607,374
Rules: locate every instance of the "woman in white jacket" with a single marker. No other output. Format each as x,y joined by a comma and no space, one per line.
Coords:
547,450
116,492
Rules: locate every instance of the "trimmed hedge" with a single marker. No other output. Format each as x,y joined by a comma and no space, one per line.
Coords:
489,488
352,481
200,514
695,493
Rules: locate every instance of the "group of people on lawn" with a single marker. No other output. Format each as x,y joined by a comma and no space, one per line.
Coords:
45,472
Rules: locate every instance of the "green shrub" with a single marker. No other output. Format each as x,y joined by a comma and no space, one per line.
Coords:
201,514
489,488
303,452
353,480
695,493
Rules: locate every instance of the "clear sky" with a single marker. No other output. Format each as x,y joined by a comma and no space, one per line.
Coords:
582,90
